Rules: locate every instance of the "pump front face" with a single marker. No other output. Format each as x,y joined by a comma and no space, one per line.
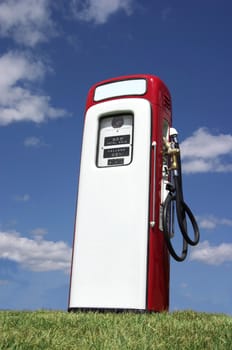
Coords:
111,237
114,260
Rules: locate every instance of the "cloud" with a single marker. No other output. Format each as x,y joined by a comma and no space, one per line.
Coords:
39,233
4,282
35,255
99,11
210,222
34,142
28,22
204,152
166,12
23,198
17,100
212,255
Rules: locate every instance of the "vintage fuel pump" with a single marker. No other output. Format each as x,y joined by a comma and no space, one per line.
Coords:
129,187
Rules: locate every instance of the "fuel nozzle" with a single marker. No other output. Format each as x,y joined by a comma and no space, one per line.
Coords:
175,149
172,149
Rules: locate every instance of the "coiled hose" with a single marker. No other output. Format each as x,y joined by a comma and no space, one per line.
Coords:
175,198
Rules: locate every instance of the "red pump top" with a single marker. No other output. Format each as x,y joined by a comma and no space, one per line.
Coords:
154,90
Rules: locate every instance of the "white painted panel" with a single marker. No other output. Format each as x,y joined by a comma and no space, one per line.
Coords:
110,249
120,88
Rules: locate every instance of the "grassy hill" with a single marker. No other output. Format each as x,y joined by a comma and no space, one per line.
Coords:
106,331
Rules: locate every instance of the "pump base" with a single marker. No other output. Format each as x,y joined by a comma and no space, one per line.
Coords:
109,310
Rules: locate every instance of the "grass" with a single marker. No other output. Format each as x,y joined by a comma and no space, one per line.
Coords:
106,331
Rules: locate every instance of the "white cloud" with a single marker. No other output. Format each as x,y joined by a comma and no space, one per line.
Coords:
35,255
28,22
22,198
210,222
33,141
4,282
166,12
17,102
99,11
212,255
204,152
39,233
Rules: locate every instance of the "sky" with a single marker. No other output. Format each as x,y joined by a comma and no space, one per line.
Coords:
51,53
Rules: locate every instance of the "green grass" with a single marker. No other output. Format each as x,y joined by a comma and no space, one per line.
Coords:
106,331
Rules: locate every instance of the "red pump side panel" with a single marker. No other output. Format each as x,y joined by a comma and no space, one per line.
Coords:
158,255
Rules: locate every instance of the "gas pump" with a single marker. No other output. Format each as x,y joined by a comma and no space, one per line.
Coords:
129,185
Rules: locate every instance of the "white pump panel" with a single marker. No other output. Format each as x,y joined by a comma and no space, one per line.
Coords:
111,232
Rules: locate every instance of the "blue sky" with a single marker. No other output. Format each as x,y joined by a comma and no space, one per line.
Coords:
50,55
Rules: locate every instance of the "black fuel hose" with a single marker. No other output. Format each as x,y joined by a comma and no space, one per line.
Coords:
182,211
166,229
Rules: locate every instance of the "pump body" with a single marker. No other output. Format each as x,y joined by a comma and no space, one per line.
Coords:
120,258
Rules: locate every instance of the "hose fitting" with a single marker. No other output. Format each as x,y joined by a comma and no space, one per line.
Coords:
171,150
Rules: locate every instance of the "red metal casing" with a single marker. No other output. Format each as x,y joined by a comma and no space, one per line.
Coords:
158,270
